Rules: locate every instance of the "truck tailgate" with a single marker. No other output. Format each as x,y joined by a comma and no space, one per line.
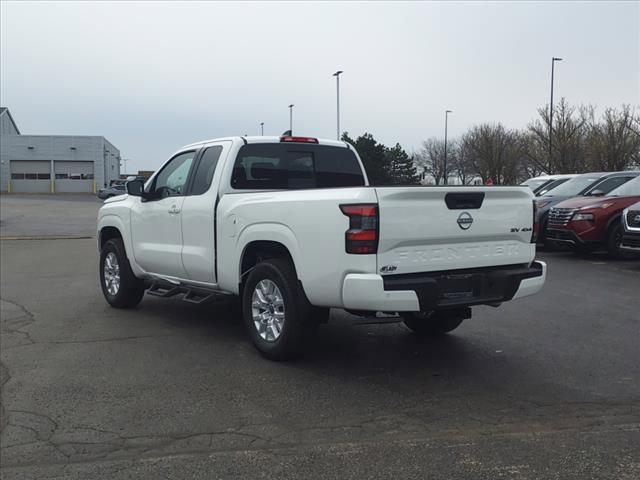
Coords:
426,229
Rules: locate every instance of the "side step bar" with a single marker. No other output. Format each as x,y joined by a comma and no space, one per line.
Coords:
189,294
163,290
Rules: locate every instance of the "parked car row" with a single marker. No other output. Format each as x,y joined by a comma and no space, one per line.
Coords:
586,212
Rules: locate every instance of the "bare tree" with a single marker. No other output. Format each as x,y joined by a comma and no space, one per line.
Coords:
462,161
431,159
532,151
568,139
613,142
495,153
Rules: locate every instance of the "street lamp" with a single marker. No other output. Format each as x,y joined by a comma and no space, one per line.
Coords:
124,161
446,122
262,128
291,118
337,75
553,62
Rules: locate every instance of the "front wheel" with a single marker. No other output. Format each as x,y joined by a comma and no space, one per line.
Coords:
276,312
614,241
434,322
120,286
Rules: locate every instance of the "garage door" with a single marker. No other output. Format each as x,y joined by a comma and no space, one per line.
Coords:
29,176
73,177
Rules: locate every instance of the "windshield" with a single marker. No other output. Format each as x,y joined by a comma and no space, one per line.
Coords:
573,187
534,183
632,187
551,185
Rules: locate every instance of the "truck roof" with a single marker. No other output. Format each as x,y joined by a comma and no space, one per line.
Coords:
265,139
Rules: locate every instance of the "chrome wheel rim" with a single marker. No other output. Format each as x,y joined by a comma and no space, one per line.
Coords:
267,310
111,273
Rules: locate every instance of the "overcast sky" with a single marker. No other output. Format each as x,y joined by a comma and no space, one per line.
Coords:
153,76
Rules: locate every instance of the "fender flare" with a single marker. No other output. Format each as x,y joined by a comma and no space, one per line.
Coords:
268,232
115,221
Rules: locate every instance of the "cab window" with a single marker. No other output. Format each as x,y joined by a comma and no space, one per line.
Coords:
290,166
205,170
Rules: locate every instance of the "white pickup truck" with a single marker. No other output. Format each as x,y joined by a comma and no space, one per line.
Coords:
291,226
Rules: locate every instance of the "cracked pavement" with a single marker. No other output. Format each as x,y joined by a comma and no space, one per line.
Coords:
544,387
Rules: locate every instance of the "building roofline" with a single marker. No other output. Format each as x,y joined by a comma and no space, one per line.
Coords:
65,136
15,125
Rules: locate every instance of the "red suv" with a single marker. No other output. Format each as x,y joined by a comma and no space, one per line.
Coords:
589,223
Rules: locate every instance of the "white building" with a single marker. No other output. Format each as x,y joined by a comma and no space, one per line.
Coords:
54,163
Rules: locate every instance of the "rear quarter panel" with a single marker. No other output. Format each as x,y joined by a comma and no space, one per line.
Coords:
308,223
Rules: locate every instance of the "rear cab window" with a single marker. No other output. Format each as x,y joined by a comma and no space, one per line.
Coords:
279,166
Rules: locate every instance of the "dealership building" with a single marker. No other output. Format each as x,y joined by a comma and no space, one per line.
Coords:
54,163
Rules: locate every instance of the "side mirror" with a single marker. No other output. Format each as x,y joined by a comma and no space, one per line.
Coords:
596,193
135,188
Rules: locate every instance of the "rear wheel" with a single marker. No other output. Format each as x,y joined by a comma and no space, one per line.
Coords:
434,322
120,287
277,314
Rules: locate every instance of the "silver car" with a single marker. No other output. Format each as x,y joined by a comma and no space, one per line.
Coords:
111,191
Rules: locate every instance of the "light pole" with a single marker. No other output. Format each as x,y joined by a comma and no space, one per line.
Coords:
446,124
337,75
262,128
553,62
291,118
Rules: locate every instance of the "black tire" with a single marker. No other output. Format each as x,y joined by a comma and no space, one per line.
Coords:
614,240
131,289
434,322
300,317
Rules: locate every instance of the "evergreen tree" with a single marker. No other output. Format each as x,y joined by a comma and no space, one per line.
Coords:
400,167
373,157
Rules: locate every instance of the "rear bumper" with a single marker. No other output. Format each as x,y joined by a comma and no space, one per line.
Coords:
439,290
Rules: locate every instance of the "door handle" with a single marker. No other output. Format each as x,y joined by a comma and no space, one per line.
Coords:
173,210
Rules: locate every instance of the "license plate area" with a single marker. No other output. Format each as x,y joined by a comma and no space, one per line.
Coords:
459,286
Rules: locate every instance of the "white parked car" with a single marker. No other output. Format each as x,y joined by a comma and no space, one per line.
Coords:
630,242
291,225
545,183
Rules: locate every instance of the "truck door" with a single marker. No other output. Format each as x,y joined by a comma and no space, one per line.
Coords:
198,214
156,223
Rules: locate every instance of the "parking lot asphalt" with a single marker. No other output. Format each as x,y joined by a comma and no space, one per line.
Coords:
48,215
543,387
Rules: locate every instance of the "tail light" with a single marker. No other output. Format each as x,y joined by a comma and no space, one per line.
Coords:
362,236
290,139
534,232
